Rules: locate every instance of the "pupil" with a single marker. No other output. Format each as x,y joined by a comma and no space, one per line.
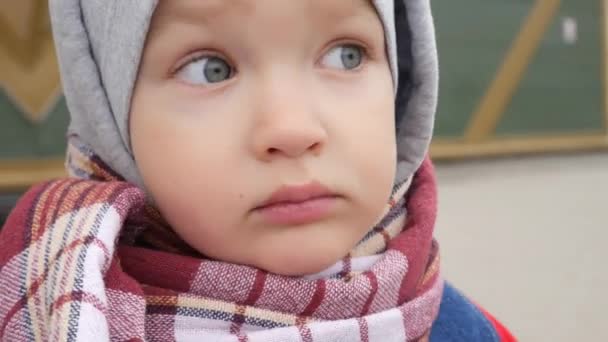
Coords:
351,57
217,70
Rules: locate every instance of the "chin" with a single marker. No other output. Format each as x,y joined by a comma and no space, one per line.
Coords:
301,269
300,263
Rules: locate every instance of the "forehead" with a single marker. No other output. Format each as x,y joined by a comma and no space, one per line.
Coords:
216,9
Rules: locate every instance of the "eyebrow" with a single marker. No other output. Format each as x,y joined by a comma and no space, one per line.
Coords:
200,10
334,9
205,10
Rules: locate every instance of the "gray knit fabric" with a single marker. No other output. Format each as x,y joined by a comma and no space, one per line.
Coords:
386,11
100,42
416,128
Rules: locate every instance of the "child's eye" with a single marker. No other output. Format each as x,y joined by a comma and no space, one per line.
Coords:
344,57
206,70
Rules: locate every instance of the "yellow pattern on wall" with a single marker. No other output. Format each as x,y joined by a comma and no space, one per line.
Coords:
29,73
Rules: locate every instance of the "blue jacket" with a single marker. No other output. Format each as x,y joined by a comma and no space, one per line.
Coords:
461,320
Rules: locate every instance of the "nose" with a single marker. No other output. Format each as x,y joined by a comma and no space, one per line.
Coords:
287,126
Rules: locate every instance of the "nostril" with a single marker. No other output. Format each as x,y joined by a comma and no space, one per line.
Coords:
273,150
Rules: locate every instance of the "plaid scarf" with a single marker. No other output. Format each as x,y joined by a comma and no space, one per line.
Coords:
87,259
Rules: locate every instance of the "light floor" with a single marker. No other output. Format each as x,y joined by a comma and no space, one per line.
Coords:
528,239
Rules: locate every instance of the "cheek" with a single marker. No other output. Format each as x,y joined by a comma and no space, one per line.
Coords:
196,200
186,167
377,163
372,146
365,121
368,134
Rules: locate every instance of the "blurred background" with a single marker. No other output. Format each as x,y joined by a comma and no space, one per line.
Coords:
521,150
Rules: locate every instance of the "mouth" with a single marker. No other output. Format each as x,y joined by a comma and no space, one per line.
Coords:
297,205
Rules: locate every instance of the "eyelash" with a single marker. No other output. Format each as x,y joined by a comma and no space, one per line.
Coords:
197,56
367,51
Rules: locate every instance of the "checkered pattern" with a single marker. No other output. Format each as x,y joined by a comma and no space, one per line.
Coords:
71,268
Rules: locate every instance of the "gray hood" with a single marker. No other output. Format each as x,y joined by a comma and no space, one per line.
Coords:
99,44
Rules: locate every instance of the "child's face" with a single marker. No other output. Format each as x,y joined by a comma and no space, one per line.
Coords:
238,99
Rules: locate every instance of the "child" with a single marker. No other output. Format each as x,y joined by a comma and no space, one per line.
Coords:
236,176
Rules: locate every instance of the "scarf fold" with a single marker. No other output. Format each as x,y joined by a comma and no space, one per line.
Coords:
89,260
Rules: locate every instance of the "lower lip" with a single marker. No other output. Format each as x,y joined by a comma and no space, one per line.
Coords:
298,213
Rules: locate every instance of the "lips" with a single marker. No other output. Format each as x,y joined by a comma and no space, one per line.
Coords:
297,194
295,205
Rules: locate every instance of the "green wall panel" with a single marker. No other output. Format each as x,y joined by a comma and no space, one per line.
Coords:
21,139
473,37
562,90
